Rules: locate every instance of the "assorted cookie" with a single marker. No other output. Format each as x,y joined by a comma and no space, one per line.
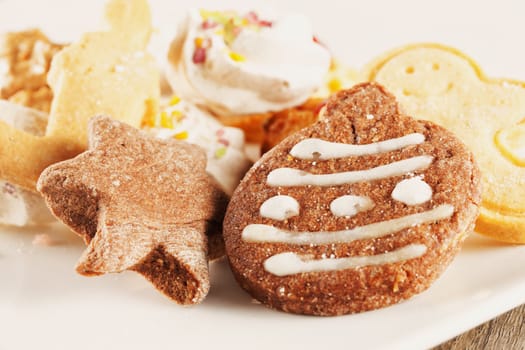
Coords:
361,210
443,85
354,206
104,72
141,204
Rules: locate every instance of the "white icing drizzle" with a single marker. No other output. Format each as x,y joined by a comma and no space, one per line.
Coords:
259,233
285,264
295,177
350,205
280,207
412,191
321,149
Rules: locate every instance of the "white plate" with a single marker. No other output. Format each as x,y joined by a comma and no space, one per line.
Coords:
44,304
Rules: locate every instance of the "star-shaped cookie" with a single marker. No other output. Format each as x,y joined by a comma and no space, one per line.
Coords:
141,204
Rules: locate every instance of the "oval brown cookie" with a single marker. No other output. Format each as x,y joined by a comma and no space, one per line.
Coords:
359,211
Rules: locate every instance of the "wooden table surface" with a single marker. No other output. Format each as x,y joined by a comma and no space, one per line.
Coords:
506,332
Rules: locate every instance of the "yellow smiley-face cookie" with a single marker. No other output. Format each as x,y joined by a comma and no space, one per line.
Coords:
443,85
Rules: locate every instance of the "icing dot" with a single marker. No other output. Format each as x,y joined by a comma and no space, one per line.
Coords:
412,191
349,205
279,207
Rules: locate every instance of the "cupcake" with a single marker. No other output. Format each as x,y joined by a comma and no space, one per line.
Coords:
244,68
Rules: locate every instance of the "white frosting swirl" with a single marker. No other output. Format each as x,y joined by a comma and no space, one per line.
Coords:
268,67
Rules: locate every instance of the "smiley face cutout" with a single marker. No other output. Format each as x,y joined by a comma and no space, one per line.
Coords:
443,85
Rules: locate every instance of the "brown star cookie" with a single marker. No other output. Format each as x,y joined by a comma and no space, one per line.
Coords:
141,204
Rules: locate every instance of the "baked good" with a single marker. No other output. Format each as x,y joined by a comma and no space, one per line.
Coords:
104,72
26,57
25,99
141,204
443,85
224,146
363,209
244,68
20,207
282,124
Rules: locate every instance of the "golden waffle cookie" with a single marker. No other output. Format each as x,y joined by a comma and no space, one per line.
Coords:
443,85
26,56
103,73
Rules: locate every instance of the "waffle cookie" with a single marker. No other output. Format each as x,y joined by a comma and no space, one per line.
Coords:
445,86
361,210
105,72
26,56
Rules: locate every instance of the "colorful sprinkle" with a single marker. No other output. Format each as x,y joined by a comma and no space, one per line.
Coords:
177,115
166,121
220,152
263,23
231,31
221,17
199,55
149,121
215,16
209,24
232,23
237,57
335,85
224,142
204,43
174,100
198,42
254,19
181,135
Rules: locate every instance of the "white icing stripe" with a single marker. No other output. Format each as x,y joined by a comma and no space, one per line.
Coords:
321,149
295,177
412,191
279,208
350,205
266,233
285,264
